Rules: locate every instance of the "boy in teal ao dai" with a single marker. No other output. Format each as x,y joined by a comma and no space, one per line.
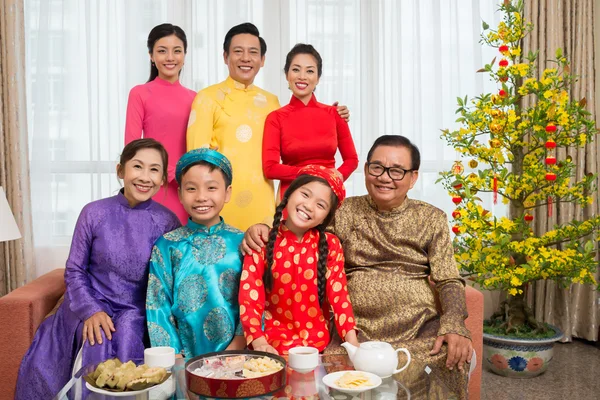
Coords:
192,300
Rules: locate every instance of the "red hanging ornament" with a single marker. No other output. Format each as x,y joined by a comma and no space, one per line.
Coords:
550,144
551,177
456,199
455,214
457,186
550,128
457,168
503,78
495,189
503,62
503,49
550,160
528,217
456,229
502,93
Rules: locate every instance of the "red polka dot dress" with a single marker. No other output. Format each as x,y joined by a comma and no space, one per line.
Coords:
292,315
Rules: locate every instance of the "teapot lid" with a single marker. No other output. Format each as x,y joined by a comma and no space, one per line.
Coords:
376,345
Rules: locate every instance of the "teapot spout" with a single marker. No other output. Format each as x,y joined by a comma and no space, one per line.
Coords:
350,349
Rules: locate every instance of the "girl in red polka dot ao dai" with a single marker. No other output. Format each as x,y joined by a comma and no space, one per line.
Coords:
299,273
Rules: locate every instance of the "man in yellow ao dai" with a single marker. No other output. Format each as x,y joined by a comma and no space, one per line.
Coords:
230,117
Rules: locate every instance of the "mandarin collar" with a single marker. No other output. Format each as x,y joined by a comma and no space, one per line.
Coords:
199,228
394,210
163,82
233,84
123,201
297,103
284,232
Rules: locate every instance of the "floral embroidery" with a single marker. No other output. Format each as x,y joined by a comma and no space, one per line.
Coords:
176,257
178,234
156,296
217,326
187,336
229,284
158,335
209,250
192,294
157,258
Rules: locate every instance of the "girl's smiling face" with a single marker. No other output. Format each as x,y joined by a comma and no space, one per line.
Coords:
308,207
142,176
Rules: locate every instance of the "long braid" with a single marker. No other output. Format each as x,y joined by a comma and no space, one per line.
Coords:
268,274
322,264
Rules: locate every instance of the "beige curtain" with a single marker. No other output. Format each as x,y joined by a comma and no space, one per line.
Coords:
16,257
567,24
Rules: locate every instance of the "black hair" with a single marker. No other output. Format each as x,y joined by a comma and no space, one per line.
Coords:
323,247
302,48
398,141
159,32
131,149
246,27
211,167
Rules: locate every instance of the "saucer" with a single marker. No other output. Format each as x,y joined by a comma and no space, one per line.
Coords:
329,380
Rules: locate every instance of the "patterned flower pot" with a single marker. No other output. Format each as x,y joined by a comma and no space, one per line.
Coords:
518,358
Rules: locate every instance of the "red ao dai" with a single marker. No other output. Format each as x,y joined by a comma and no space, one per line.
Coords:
292,314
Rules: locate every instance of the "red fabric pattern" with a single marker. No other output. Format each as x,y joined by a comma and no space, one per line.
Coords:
292,315
297,135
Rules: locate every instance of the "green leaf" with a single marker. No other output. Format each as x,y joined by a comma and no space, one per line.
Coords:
559,53
589,246
484,25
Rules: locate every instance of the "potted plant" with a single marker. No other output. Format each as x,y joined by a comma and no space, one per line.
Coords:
510,140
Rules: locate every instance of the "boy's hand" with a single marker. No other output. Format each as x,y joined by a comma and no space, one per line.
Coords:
343,111
255,238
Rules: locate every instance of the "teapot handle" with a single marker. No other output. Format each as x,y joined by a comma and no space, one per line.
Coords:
405,351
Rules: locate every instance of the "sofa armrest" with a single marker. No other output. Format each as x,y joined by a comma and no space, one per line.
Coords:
21,313
474,324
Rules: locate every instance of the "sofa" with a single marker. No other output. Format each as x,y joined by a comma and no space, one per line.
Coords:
22,311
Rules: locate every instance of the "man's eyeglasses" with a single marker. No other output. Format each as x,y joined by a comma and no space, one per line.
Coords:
395,173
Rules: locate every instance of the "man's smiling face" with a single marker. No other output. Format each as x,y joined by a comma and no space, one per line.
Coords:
244,59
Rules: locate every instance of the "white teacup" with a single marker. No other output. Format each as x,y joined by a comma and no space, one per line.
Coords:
162,356
303,359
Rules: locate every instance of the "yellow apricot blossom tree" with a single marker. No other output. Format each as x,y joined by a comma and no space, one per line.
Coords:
511,139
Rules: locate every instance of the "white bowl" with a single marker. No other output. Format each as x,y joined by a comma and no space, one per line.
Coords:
329,380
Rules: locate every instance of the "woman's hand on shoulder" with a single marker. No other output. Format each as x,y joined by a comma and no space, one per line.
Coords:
255,238
93,325
343,111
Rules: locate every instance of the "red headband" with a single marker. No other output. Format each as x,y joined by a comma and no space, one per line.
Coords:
332,177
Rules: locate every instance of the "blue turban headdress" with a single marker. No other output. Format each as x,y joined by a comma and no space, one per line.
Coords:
210,156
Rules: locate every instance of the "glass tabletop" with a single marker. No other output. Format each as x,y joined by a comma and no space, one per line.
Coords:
418,381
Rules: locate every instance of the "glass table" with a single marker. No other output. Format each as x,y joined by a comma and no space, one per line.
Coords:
418,381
